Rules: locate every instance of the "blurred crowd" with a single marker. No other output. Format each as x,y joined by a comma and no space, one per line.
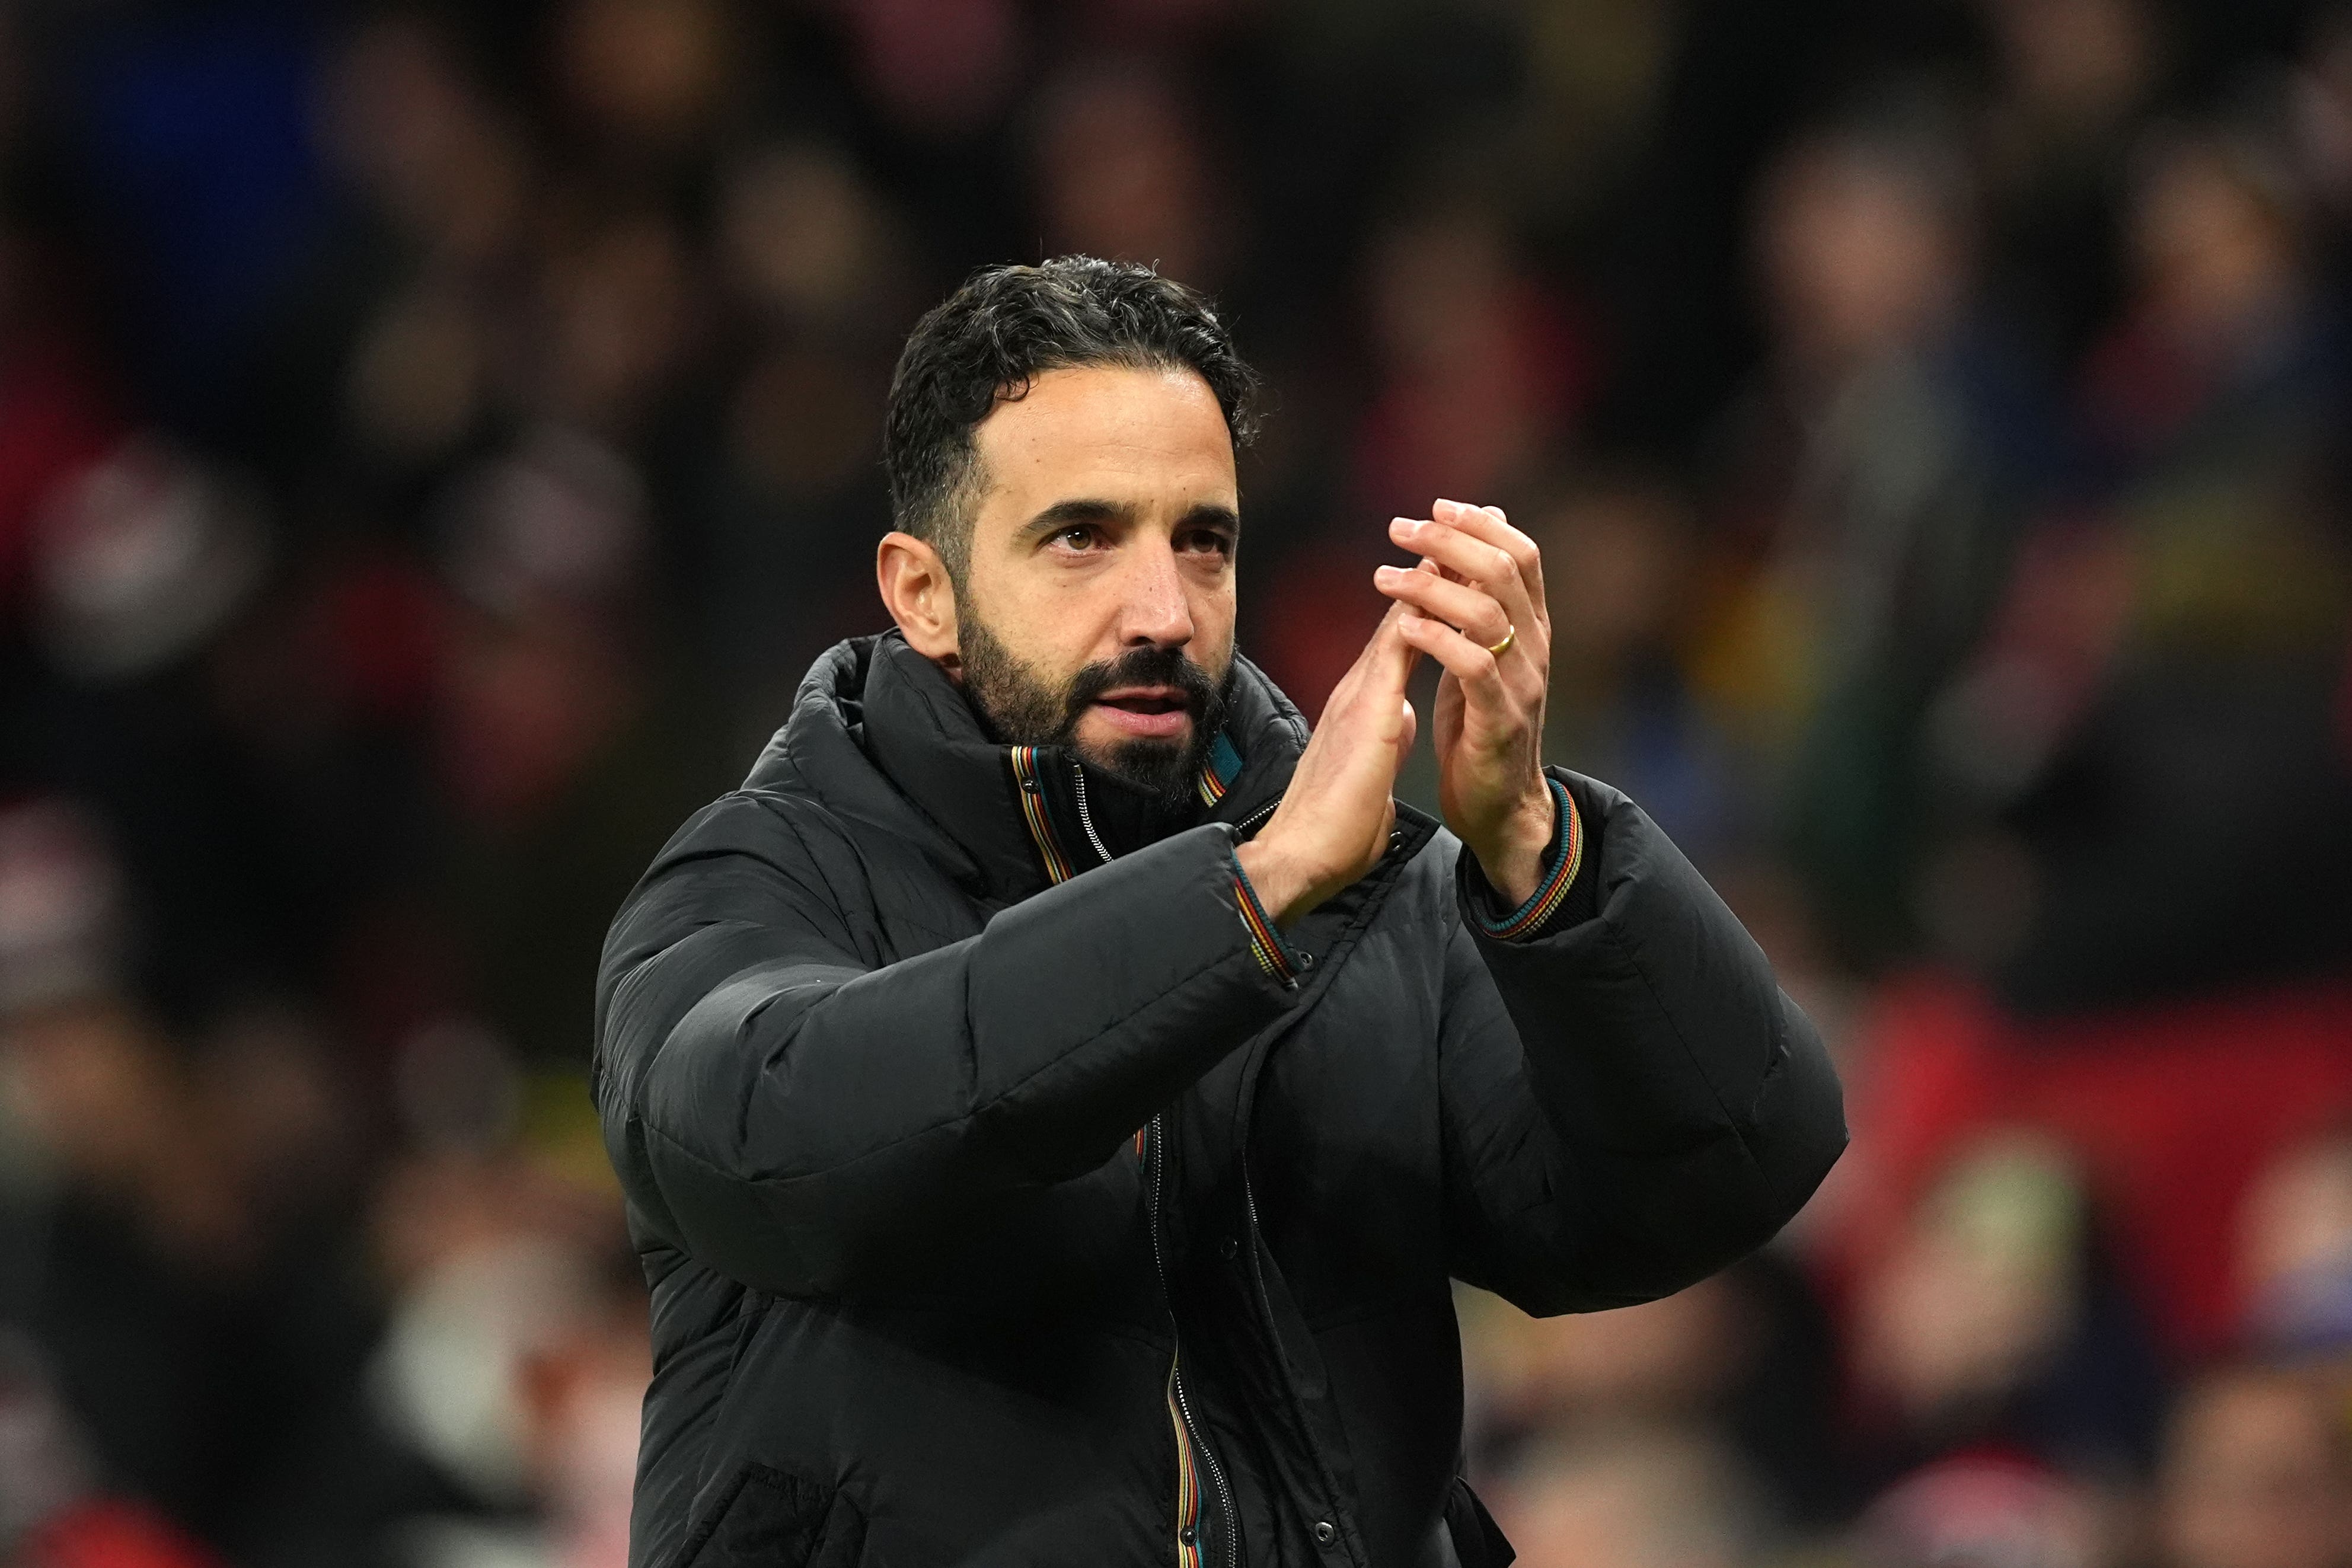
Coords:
435,439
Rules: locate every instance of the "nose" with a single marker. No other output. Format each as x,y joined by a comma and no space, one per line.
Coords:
1156,609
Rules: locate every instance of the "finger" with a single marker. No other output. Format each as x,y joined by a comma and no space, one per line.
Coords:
1471,558
1460,549
1383,632
1478,671
1474,611
1396,526
1384,665
1390,656
1489,524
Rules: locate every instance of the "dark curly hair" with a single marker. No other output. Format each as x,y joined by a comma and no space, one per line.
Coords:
1006,326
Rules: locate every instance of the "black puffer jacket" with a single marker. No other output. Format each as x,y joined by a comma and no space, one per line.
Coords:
991,1220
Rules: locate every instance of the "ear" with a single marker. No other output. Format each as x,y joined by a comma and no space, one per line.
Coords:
920,598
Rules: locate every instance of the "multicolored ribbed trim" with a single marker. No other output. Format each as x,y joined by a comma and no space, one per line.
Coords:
1217,774
1272,956
1032,809
1187,1482
1561,876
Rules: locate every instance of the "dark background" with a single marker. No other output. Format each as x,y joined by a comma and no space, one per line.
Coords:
434,440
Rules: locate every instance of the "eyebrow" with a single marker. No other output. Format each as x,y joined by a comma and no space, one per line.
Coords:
1210,515
1065,514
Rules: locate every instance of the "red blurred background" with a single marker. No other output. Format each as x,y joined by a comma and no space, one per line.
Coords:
434,440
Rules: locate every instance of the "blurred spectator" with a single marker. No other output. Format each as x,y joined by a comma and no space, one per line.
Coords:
52,1515
807,245
2295,1263
559,753
1873,483
1123,172
2073,81
514,1361
54,422
939,67
645,79
193,1325
1630,1498
1622,701
819,262
137,560
1993,1322
433,443
2255,1476
439,162
1480,370
2320,111
1747,1357
2202,767
1983,1513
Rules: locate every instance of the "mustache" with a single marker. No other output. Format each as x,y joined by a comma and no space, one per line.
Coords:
1150,666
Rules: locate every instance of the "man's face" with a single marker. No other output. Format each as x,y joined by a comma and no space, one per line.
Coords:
1097,607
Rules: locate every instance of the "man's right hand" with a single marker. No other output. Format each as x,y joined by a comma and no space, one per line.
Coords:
1334,822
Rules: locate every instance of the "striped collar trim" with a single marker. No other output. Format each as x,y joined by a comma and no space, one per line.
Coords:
1223,766
1030,776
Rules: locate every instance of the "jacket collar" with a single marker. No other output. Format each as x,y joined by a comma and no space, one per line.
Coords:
874,706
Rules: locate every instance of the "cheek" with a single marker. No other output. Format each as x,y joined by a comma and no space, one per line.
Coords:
1055,627
1214,612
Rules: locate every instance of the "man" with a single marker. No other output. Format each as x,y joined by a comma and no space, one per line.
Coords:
1054,1093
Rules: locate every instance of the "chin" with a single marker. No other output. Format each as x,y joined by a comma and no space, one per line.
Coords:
1160,766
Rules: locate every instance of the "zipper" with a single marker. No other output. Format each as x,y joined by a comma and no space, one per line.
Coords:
1241,829
1086,818
1180,1406
1265,1310
1187,1427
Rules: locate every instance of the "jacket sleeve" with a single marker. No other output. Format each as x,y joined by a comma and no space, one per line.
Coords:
788,1111
1630,1101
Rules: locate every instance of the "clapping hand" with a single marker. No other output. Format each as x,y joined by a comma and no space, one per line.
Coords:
1476,604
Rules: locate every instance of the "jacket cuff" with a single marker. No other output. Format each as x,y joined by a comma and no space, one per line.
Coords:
1563,887
1274,955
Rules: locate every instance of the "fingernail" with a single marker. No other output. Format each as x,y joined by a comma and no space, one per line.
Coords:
1404,525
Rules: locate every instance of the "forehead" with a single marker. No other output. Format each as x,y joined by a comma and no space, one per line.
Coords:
1109,432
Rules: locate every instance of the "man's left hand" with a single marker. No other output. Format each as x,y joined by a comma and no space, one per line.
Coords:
1480,584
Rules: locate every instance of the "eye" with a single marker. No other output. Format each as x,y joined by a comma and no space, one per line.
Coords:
1076,537
1206,541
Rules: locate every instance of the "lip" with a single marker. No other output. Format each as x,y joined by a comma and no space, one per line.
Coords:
1168,723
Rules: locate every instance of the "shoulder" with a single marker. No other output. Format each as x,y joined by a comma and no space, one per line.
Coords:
751,854
777,824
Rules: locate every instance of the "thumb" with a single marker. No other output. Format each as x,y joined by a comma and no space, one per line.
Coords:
1388,657
1408,725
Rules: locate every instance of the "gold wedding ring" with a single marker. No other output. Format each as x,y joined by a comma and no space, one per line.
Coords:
1510,635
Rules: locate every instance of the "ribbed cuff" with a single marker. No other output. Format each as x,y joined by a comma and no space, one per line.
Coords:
1274,955
1560,868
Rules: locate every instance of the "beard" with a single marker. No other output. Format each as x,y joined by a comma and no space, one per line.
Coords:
1023,708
